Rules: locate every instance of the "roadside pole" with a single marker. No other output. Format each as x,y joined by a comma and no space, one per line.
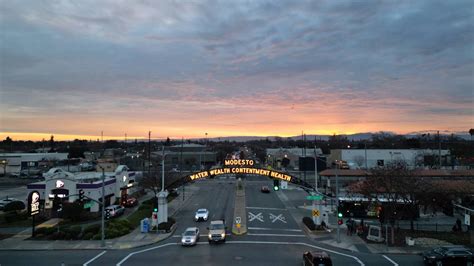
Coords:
102,239
337,206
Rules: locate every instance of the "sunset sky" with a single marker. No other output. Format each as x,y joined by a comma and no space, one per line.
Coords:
234,68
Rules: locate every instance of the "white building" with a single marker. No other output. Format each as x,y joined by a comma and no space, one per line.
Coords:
359,158
15,163
66,186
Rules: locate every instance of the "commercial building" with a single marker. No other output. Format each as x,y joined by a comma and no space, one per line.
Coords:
414,158
289,158
65,186
27,163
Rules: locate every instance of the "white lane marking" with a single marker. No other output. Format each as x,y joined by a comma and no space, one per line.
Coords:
274,229
94,258
274,218
145,250
250,234
257,216
265,208
297,243
248,242
389,259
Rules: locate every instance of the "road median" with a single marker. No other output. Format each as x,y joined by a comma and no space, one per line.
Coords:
239,223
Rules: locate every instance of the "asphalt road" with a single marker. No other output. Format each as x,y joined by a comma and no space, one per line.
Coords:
274,238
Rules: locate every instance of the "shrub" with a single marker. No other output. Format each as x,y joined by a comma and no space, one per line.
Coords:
93,228
97,237
88,236
111,233
309,223
45,230
57,236
13,216
14,206
166,225
73,231
72,211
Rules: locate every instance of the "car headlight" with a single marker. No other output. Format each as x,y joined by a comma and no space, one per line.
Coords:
196,217
223,235
183,240
209,235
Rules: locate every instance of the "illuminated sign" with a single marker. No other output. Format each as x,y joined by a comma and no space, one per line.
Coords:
59,184
235,162
34,203
243,170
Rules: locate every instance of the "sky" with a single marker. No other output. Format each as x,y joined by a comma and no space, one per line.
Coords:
74,69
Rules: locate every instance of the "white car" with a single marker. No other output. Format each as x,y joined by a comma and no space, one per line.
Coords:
201,214
190,237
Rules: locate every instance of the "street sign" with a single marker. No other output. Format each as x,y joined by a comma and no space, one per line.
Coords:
238,220
315,197
467,219
88,204
315,213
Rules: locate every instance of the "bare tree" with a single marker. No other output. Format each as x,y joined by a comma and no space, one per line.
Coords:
391,187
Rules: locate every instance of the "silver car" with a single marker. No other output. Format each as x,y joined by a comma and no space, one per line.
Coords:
201,214
190,237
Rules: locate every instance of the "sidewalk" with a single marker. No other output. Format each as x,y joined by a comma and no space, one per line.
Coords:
292,199
132,240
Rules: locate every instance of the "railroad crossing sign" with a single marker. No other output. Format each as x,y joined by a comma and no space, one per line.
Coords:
315,213
257,216
280,217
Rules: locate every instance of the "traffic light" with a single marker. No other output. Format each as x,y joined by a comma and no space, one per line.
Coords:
155,209
339,218
81,195
107,213
276,184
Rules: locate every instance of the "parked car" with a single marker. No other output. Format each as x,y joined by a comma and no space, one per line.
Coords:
449,255
115,210
190,236
130,202
217,231
316,258
201,214
265,189
5,201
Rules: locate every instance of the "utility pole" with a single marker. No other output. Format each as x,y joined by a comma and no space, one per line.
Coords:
439,151
365,147
337,206
181,163
102,239
149,154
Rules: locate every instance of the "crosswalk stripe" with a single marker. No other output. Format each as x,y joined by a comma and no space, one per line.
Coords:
266,208
250,234
274,229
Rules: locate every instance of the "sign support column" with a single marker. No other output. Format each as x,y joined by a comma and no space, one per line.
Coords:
162,207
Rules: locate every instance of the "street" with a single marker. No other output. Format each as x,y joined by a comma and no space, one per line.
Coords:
273,238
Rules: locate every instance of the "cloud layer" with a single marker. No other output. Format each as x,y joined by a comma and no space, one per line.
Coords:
235,68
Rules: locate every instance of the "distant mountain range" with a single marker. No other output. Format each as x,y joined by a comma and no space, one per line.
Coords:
355,137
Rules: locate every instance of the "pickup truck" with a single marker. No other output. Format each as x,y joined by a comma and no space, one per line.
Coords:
217,231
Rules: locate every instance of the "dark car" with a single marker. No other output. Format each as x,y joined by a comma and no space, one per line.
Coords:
130,202
449,255
317,259
265,189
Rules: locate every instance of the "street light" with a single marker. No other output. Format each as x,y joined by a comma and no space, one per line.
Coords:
102,238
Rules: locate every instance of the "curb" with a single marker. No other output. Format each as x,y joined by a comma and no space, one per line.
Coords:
239,211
